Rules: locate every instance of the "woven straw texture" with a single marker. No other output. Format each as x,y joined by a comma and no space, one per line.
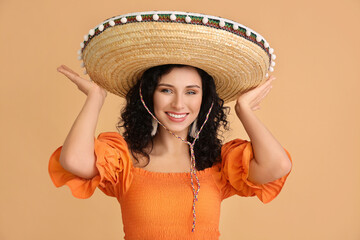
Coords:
116,58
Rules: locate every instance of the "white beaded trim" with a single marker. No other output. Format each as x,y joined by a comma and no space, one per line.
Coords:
222,23
205,20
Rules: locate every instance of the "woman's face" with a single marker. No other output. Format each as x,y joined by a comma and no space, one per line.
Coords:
177,99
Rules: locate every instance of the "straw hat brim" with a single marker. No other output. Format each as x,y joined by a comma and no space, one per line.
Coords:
117,56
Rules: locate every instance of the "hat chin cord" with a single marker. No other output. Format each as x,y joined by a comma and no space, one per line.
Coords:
191,145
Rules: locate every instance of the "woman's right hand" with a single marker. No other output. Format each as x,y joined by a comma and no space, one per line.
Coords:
77,154
86,86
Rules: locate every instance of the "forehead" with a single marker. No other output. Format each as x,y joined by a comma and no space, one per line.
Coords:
181,77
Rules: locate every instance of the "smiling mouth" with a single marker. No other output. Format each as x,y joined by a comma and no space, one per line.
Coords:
177,116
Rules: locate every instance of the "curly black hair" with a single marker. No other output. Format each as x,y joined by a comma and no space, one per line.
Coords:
137,122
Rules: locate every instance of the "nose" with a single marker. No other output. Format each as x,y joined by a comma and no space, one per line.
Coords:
178,102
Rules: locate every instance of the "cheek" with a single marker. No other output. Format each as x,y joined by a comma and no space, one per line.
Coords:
159,102
196,104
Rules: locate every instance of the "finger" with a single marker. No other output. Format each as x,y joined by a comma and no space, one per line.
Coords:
266,92
70,70
271,78
266,83
82,83
256,108
69,74
67,69
262,95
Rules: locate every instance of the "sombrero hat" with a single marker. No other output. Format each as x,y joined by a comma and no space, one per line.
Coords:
116,52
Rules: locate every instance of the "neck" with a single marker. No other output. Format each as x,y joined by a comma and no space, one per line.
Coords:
166,143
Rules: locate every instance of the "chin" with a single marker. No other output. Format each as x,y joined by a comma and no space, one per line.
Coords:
177,129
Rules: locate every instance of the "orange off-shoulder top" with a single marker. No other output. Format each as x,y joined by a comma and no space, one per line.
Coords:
158,205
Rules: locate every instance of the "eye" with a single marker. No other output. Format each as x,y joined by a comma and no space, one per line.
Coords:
166,90
191,92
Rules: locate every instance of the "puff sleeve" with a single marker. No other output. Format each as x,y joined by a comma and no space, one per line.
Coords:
112,161
233,172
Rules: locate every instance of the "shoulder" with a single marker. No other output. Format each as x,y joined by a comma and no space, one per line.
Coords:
111,137
234,144
113,140
116,141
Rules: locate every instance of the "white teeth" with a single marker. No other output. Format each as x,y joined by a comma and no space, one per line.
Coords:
176,116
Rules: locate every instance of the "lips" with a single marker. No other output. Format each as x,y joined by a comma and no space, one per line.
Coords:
176,117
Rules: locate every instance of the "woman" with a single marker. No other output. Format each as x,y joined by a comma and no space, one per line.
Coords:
171,108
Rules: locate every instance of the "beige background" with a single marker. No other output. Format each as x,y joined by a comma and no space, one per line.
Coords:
313,110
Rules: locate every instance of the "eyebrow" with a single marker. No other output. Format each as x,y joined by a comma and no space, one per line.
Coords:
169,85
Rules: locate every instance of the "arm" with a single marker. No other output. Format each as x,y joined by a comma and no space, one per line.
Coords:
77,154
270,160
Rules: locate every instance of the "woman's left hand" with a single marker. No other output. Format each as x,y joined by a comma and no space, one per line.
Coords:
251,99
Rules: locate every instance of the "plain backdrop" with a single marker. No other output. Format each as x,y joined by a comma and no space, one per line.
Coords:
312,110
